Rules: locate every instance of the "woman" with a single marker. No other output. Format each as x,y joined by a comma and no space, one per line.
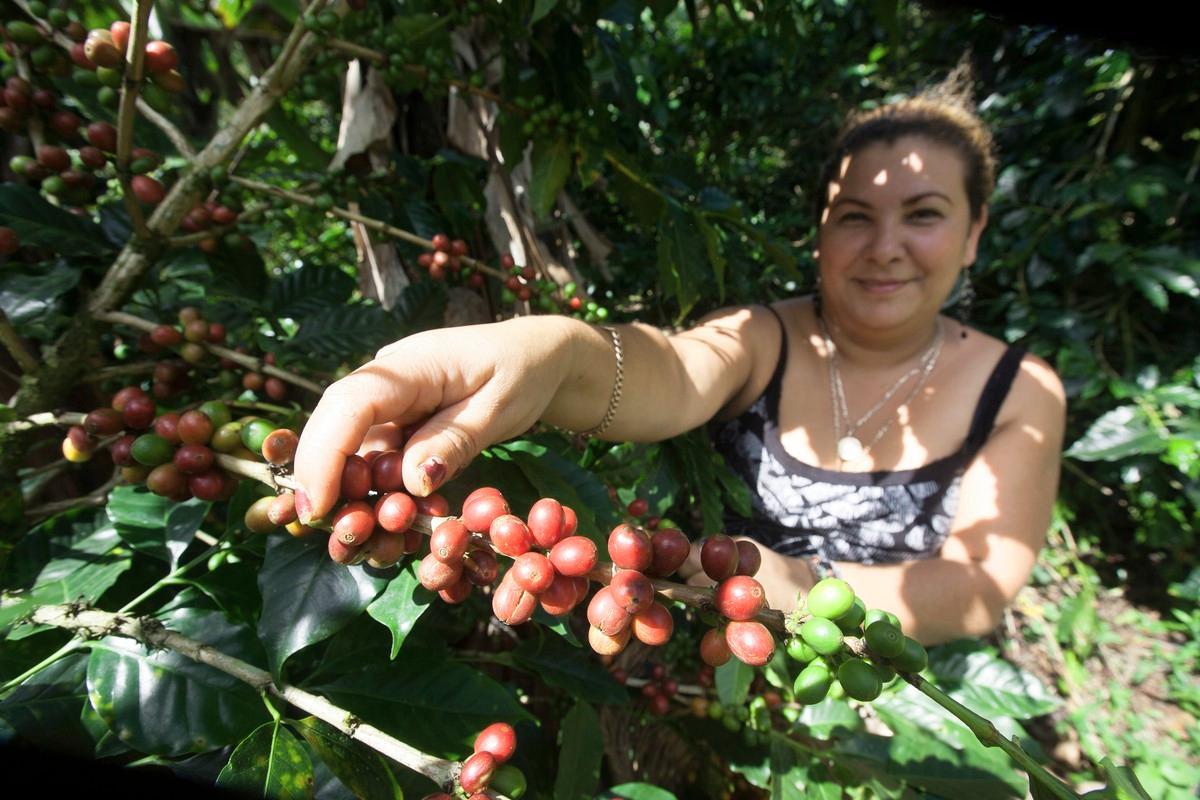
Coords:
912,455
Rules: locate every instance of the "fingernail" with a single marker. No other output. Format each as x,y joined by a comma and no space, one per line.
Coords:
434,471
303,507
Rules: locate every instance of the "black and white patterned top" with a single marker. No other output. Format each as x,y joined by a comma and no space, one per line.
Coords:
865,517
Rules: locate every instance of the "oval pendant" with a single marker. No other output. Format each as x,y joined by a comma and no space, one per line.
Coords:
850,449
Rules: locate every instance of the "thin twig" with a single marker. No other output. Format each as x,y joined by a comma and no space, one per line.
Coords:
135,57
153,634
119,371
43,419
373,224
16,346
97,497
187,240
247,361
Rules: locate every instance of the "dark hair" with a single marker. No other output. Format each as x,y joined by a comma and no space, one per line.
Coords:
945,114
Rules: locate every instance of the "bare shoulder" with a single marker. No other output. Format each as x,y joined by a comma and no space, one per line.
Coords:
1037,399
749,336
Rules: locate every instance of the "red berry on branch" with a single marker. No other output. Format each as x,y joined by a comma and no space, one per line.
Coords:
103,422
456,592
510,535
102,135
449,542
138,413
167,426
435,505
511,604
750,642
477,772
499,739
546,521
395,512
440,242
279,447
671,548
120,450
387,471
193,459
481,508
631,590
435,575
356,480
354,522
342,553
533,572
276,388
282,510
574,555
208,486
653,626
384,551
630,548
714,650
638,507
739,597
660,705
147,190
560,597
120,34
161,57
719,557
606,614
749,558
606,644
481,566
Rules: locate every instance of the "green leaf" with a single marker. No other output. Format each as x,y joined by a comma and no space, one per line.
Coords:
307,597
733,680
580,755
990,686
45,709
1123,781
716,258
551,168
309,290
361,769
297,136
421,306
559,664
1119,433
401,605
680,251
829,715
71,557
555,476
155,525
1078,623
41,224
1150,288
636,791
434,705
270,762
541,8
162,702
31,301
344,331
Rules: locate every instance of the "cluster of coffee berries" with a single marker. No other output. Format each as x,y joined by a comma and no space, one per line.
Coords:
104,52
626,607
205,216
753,719
550,562
738,598
446,259
834,612
658,690
33,42
486,766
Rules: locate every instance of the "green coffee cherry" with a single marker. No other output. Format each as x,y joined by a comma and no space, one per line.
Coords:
876,614
859,679
830,598
800,650
715,709
822,635
217,412
812,684
509,781
254,433
151,450
851,622
912,659
884,639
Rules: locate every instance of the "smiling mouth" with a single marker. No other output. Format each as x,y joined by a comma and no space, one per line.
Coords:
878,286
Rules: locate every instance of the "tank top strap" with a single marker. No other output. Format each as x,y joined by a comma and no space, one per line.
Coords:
775,386
994,392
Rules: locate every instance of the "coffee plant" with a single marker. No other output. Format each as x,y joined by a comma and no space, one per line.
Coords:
212,211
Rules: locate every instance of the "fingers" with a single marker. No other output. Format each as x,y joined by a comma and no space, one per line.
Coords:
451,438
336,429
388,436
691,565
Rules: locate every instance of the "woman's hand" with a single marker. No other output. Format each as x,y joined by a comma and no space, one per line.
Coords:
467,388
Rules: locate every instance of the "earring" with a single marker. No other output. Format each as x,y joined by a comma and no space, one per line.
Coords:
966,296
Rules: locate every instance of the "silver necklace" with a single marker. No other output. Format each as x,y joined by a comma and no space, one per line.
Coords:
850,447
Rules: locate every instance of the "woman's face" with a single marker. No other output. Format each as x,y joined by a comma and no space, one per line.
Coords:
895,233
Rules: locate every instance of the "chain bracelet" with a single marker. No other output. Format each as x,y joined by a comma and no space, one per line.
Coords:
618,385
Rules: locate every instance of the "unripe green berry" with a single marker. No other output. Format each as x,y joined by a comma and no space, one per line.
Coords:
830,598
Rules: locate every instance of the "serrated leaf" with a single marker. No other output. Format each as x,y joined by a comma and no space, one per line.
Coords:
401,605
41,224
271,763
45,709
551,167
308,290
162,702
733,679
306,596
1119,433
436,706
345,331
580,754
559,664
361,769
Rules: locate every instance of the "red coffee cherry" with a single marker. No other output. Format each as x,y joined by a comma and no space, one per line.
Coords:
413,541
123,396
254,381
449,541
533,572
161,57
433,506
456,592
608,645
166,480
120,34
546,522
354,522
192,459
511,604
499,739
638,507
103,136
660,705
147,189
510,535
574,556
560,597
653,626
719,557
481,566
395,512
195,427
630,548
671,548
276,388
749,558
208,485
440,242
343,553
383,550
139,412
631,590
750,641
282,510
740,597
387,471
279,447
481,507
120,451
570,522
356,479
256,518
714,650
103,422
477,772
435,575
216,333
605,613
166,336
196,331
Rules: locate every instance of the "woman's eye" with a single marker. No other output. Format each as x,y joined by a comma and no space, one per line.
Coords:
853,216
927,214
